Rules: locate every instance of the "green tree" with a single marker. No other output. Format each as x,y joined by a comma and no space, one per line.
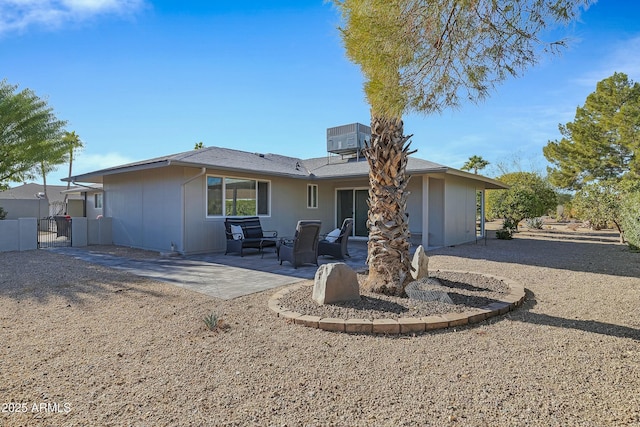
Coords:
475,163
529,196
59,154
603,141
630,218
30,134
564,205
43,169
599,203
72,143
199,145
425,56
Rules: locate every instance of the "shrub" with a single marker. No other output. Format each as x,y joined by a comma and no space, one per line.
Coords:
507,230
529,195
598,204
504,234
535,223
630,219
3,213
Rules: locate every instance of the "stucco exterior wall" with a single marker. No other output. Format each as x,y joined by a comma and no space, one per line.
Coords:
19,208
436,215
145,208
459,211
75,208
92,211
288,206
415,205
18,234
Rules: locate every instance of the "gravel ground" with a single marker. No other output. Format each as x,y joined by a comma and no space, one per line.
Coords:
86,345
468,292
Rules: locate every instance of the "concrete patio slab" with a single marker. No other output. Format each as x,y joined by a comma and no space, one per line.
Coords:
217,275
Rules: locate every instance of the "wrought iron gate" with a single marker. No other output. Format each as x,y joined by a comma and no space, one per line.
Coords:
54,232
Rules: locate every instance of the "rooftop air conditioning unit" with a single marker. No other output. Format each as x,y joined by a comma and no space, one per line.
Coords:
347,139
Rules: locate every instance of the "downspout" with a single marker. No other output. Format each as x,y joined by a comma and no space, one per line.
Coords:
184,206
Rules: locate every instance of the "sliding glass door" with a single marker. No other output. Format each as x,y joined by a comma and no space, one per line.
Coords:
352,203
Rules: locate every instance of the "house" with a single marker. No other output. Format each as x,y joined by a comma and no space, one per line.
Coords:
85,201
30,200
181,200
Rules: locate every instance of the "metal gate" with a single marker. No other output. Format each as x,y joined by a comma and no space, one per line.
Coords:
54,232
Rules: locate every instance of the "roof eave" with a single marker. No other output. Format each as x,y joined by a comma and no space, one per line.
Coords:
490,183
93,176
97,176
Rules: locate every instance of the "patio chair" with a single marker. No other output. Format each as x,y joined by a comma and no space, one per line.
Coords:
337,248
246,232
303,248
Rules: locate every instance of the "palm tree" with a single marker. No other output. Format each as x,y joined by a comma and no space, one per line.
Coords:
44,169
424,56
476,163
72,142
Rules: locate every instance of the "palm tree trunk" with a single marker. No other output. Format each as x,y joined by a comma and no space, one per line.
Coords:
66,196
70,166
388,247
44,179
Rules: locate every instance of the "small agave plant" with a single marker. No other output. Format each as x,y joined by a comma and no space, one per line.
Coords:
212,321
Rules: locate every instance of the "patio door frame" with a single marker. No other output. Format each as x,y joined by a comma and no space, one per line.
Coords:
359,218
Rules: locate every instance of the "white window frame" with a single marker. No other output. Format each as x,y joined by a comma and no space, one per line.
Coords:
224,191
98,201
312,196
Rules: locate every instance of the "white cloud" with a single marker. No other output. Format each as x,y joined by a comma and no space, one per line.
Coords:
19,15
623,58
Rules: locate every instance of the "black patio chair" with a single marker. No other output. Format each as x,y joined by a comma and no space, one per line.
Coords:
303,248
337,248
246,232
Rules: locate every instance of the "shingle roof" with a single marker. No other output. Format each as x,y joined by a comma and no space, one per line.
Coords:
31,190
330,167
214,158
225,158
338,167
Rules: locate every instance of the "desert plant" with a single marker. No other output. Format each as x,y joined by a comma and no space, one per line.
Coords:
507,230
212,321
529,196
598,203
630,219
503,234
535,223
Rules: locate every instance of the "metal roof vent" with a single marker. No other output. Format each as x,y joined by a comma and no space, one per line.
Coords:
347,139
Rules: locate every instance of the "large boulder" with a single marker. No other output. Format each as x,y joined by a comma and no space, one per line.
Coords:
420,264
335,282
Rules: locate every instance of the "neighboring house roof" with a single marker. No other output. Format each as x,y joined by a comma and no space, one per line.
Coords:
31,190
330,167
79,189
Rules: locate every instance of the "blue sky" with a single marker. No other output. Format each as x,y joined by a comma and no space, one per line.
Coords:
138,79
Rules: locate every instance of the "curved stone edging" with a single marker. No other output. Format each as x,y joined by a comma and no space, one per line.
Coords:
404,325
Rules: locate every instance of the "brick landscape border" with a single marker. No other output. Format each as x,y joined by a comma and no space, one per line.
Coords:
404,325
